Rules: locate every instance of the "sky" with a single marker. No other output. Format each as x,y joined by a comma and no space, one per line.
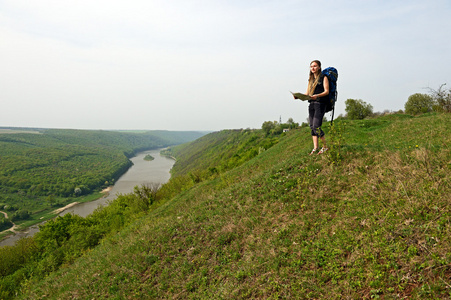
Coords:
210,65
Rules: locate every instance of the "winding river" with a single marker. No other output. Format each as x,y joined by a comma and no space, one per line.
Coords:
142,172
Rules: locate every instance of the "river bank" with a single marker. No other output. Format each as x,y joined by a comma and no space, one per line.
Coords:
29,227
105,192
141,172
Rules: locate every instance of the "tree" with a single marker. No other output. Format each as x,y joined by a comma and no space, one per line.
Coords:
5,224
291,124
442,98
268,126
418,104
278,129
22,214
77,191
358,109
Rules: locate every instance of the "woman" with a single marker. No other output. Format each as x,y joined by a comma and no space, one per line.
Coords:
318,90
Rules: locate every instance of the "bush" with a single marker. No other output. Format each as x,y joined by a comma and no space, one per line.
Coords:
22,214
5,224
9,208
442,99
358,109
418,104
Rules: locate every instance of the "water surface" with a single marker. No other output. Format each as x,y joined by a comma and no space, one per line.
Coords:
142,172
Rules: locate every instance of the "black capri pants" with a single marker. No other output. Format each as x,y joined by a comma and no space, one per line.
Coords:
316,111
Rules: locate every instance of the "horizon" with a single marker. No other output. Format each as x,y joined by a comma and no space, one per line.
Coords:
5,129
209,64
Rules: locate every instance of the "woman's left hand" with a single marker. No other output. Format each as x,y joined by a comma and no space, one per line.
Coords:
314,97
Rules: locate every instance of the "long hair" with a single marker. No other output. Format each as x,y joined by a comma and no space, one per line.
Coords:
312,81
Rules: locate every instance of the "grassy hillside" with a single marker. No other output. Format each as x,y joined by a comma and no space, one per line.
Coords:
219,152
370,219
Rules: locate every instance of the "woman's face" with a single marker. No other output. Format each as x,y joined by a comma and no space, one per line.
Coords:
314,68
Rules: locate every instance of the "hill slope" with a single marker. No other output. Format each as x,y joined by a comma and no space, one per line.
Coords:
369,219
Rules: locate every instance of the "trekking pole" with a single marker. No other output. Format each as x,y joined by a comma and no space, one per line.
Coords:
332,121
333,109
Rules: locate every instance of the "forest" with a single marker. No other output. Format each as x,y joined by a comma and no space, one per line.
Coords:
41,169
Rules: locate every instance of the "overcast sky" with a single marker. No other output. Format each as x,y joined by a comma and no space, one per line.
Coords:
210,65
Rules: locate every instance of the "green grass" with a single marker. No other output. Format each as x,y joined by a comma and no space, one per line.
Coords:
370,219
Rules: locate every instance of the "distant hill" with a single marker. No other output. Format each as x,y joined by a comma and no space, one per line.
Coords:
251,216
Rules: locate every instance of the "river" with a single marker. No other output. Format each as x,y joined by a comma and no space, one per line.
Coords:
142,172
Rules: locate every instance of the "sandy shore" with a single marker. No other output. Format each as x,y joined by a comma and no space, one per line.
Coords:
107,190
59,210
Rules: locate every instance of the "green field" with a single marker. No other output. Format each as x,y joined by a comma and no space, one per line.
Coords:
250,216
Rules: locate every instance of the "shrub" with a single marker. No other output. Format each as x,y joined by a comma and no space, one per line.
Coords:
442,98
22,214
418,104
5,224
358,109
9,208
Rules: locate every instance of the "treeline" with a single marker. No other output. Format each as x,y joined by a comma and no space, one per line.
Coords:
435,101
56,162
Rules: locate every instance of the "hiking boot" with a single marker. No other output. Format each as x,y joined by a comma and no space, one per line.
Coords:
313,151
323,149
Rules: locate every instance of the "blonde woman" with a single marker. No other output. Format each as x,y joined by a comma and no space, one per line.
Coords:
318,90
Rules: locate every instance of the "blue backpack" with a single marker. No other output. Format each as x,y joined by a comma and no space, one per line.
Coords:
332,75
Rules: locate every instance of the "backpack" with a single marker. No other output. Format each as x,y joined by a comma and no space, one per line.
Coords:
332,75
